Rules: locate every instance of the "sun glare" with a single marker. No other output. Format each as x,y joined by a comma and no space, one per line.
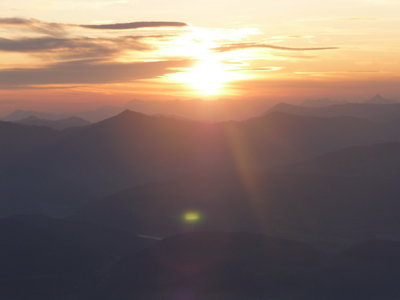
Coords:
208,77
213,70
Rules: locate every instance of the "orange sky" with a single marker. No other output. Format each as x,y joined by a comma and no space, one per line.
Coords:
61,54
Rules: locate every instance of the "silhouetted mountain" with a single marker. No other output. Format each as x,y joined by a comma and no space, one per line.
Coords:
381,112
328,211
371,160
105,157
207,265
202,110
100,114
365,271
133,148
91,116
329,182
322,102
17,141
159,208
44,258
289,137
55,124
23,114
378,99
47,259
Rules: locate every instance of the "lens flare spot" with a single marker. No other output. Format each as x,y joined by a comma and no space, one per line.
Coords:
192,217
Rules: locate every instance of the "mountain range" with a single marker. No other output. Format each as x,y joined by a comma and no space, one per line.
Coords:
373,111
130,149
55,124
90,116
287,205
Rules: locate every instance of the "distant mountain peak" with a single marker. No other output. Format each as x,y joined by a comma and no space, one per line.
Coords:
126,116
19,114
130,112
127,113
379,99
30,118
282,105
55,124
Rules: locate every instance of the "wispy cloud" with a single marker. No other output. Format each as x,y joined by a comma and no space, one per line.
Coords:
74,47
75,41
358,19
135,25
58,29
88,72
239,46
84,54
16,21
52,29
70,46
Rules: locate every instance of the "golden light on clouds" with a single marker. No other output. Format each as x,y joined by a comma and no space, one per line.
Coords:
205,50
212,70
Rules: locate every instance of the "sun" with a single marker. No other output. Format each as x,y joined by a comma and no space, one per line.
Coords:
208,77
212,70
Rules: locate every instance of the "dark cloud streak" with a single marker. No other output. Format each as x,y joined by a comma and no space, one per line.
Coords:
135,25
87,72
239,46
17,21
74,47
60,29
52,29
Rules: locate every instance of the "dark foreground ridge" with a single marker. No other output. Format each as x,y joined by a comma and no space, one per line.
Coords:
52,259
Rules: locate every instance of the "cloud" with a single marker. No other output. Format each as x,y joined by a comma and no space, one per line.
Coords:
358,19
239,46
61,29
52,29
261,69
74,47
87,72
16,21
135,25
80,59
66,42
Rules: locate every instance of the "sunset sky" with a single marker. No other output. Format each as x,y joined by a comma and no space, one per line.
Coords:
67,53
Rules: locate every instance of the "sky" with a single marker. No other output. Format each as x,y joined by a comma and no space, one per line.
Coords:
70,54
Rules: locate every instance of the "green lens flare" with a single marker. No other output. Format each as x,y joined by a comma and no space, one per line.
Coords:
192,217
